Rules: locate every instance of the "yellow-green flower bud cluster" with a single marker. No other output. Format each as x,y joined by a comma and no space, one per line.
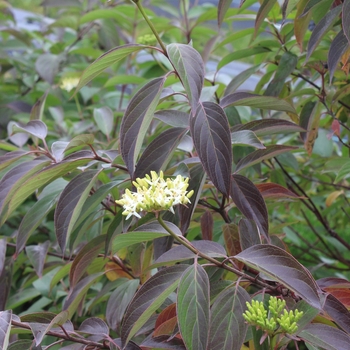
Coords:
279,319
154,193
148,39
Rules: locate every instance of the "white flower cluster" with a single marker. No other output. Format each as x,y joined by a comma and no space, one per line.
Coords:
69,83
154,193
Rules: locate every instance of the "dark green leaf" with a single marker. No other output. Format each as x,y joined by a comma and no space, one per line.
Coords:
257,101
280,265
159,152
211,136
193,307
70,204
262,154
105,61
285,67
136,120
189,66
227,325
250,202
149,298
325,336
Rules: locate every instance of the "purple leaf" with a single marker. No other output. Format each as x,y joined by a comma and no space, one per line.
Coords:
346,19
211,136
35,127
37,256
149,298
196,183
338,47
339,313
327,282
192,307
173,118
163,342
94,325
119,301
47,65
326,337
77,293
5,328
257,101
159,152
246,137
70,204
207,225
189,66
283,267
227,325
19,106
136,120
223,6
262,154
105,61
248,233
14,179
10,157
84,258
268,126
321,29
250,202
181,253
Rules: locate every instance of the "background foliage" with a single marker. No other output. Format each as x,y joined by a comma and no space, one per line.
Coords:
250,102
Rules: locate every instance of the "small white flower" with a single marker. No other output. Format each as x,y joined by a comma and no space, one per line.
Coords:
155,194
69,82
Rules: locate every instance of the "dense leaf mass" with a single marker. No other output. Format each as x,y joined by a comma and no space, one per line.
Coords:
174,175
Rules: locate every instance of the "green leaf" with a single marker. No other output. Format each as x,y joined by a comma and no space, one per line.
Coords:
244,53
149,298
189,66
38,108
240,78
285,67
343,172
283,267
80,140
223,6
130,238
70,204
11,157
104,119
37,256
124,80
227,325
257,101
193,307
105,61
